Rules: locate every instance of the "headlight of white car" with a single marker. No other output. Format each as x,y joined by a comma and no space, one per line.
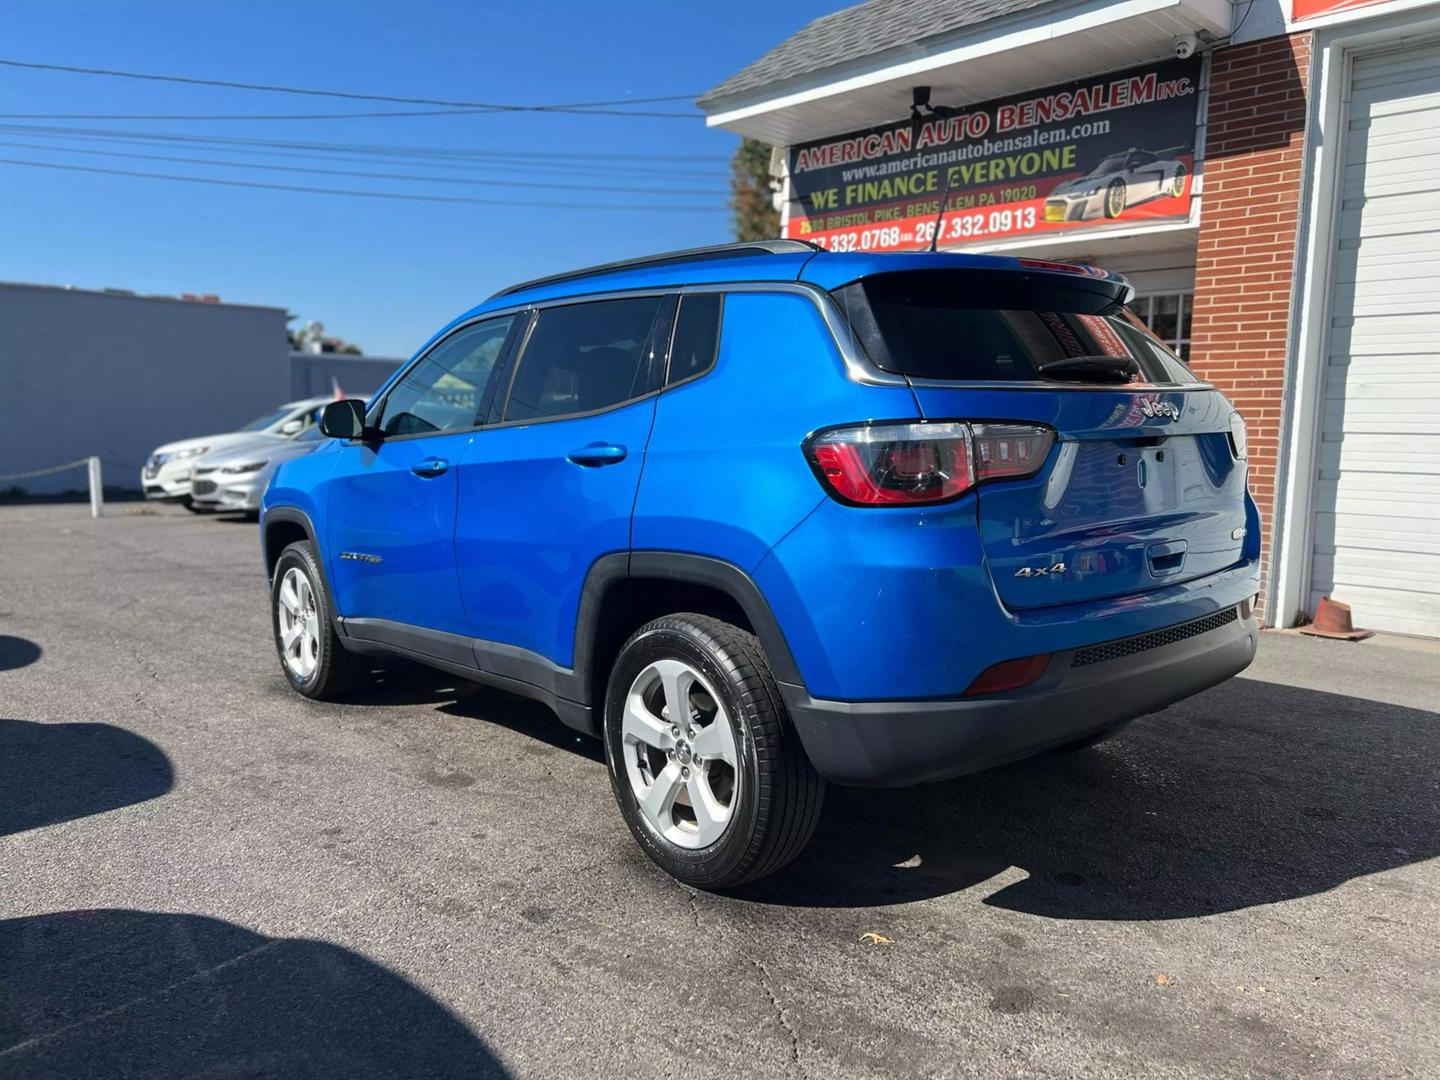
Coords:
236,470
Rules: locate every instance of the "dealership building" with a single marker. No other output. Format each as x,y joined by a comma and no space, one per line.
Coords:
1267,174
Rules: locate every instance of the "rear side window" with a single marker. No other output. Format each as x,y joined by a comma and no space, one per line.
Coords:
697,336
584,357
444,391
1002,326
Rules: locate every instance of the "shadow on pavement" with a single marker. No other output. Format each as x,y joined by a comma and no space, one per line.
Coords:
1249,794
525,717
113,993
17,652
400,683
58,772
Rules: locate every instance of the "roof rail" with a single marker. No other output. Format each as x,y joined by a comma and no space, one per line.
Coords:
749,247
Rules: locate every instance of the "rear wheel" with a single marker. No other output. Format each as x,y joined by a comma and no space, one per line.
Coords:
1177,182
314,661
705,765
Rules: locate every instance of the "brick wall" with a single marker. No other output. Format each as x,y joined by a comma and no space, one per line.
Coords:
1245,256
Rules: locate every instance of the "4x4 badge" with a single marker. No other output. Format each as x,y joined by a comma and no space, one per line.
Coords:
1040,571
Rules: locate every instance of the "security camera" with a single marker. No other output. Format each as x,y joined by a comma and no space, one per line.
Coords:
1185,45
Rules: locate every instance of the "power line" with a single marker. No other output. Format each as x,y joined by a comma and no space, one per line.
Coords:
388,149
668,115
658,166
403,196
652,192
270,88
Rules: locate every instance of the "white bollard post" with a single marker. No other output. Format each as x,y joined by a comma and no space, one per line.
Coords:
97,488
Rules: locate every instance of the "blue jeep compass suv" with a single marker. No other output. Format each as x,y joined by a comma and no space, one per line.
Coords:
762,516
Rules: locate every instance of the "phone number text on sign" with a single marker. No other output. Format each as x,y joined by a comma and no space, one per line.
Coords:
954,227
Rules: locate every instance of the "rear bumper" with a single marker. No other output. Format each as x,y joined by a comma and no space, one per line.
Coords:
896,743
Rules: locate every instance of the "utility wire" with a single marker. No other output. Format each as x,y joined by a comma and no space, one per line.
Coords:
369,148
663,114
270,88
651,192
403,196
657,167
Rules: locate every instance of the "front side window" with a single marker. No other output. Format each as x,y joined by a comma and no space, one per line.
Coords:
444,391
1000,326
584,357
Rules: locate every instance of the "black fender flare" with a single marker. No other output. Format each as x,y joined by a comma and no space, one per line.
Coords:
724,577
295,516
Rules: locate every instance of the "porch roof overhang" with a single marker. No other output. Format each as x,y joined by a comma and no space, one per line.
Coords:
1041,46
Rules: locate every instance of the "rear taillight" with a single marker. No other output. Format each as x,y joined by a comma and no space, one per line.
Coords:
915,464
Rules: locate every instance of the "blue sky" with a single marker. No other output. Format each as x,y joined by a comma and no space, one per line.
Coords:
383,274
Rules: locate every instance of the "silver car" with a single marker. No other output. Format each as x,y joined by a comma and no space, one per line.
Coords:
169,472
234,480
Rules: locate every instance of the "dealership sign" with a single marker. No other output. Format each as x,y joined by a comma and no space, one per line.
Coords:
1309,9
1115,147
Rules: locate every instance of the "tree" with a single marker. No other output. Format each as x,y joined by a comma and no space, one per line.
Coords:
752,193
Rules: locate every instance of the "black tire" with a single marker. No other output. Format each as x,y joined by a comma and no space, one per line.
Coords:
336,670
1115,194
778,798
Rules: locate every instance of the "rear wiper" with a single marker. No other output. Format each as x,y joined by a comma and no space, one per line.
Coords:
1110,369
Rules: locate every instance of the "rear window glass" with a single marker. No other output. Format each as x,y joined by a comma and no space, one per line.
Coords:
987,326
697,336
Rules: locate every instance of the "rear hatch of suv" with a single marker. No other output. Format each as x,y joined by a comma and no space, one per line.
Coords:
1142,483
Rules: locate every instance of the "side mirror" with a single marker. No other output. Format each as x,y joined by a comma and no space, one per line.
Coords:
292,427
343,419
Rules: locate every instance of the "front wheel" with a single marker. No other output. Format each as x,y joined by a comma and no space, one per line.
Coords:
314,661
1115,196
705,765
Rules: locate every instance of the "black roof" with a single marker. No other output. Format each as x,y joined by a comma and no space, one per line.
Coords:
862,31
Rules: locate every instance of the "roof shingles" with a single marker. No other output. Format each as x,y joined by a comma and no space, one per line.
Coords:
860,31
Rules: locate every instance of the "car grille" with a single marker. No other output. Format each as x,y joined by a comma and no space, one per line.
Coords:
1114,650
203,487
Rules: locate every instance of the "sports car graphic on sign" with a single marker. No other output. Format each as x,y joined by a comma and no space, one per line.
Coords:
1117,183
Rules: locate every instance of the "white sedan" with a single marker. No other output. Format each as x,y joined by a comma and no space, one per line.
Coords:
167,475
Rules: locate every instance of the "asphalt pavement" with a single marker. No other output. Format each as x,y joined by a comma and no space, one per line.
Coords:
202,874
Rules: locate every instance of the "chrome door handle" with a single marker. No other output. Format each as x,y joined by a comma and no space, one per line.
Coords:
597,454
433,467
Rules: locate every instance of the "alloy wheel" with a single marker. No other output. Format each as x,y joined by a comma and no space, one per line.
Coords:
681,756
299,623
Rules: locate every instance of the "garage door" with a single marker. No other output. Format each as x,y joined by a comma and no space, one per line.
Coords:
1377,497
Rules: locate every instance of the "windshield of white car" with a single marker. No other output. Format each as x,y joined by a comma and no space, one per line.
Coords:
1113,163
260,423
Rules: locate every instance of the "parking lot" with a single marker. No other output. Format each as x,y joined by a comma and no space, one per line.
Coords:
202,874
